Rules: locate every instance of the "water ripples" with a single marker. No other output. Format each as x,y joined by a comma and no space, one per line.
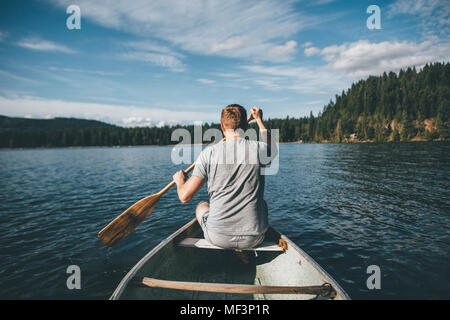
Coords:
348,205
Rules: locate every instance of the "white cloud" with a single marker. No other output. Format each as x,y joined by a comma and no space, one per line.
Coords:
3,36
321,2
270,100
158,59
137,122
160,124
153,53
311,51
345,64
232,28
16,77
206,81
304,80
150,46
123,115
227,74
229,44
363,58
43,45
282,53
434,15
97,72
415,7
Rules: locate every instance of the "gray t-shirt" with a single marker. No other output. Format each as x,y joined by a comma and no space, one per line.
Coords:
235,186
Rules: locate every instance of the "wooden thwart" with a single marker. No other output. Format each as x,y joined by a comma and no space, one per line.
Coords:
324,290
202,243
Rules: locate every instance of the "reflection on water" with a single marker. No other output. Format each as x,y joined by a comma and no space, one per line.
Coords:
348,205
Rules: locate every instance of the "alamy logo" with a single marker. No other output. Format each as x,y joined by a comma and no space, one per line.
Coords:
374,21
74,20
74,280
374,280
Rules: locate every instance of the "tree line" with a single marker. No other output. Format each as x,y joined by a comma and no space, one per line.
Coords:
407,106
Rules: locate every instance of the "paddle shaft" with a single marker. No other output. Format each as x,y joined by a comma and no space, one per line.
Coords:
170,185
323,290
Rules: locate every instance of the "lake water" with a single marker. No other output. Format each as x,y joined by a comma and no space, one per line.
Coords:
348,205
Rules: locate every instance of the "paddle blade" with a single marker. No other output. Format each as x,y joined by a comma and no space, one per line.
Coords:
124,224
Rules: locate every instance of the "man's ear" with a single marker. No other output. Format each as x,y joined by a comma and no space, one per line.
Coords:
222,127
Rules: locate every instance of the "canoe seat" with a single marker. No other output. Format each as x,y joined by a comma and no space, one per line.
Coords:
202,243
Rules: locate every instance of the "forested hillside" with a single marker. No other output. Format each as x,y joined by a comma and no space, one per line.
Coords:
25,124
406,106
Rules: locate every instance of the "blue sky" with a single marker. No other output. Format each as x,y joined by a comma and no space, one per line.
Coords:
140,62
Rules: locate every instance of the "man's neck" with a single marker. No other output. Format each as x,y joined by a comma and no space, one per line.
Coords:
232,134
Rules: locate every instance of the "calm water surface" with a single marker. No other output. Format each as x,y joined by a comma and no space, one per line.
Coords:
348,205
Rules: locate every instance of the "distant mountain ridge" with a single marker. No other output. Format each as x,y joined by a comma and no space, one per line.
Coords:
27,124
409,106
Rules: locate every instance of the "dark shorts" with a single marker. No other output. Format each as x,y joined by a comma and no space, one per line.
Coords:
229,241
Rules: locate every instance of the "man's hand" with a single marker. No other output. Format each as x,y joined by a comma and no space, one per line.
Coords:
256,113
179,177
187,189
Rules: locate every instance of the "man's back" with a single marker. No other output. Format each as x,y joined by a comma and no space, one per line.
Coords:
235,186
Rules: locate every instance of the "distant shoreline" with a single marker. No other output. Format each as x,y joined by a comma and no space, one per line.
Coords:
192,145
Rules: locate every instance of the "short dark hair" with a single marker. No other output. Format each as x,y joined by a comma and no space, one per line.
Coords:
234,116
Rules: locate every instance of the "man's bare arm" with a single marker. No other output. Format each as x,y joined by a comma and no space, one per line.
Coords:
187,189
257,115
265,136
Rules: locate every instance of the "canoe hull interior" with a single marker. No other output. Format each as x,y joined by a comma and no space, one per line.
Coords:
169,261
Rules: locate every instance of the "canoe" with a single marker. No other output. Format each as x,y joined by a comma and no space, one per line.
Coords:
184,266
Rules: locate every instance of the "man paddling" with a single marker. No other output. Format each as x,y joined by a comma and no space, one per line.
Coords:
236,217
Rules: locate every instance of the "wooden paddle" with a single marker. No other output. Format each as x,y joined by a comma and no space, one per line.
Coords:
124,224
324,290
